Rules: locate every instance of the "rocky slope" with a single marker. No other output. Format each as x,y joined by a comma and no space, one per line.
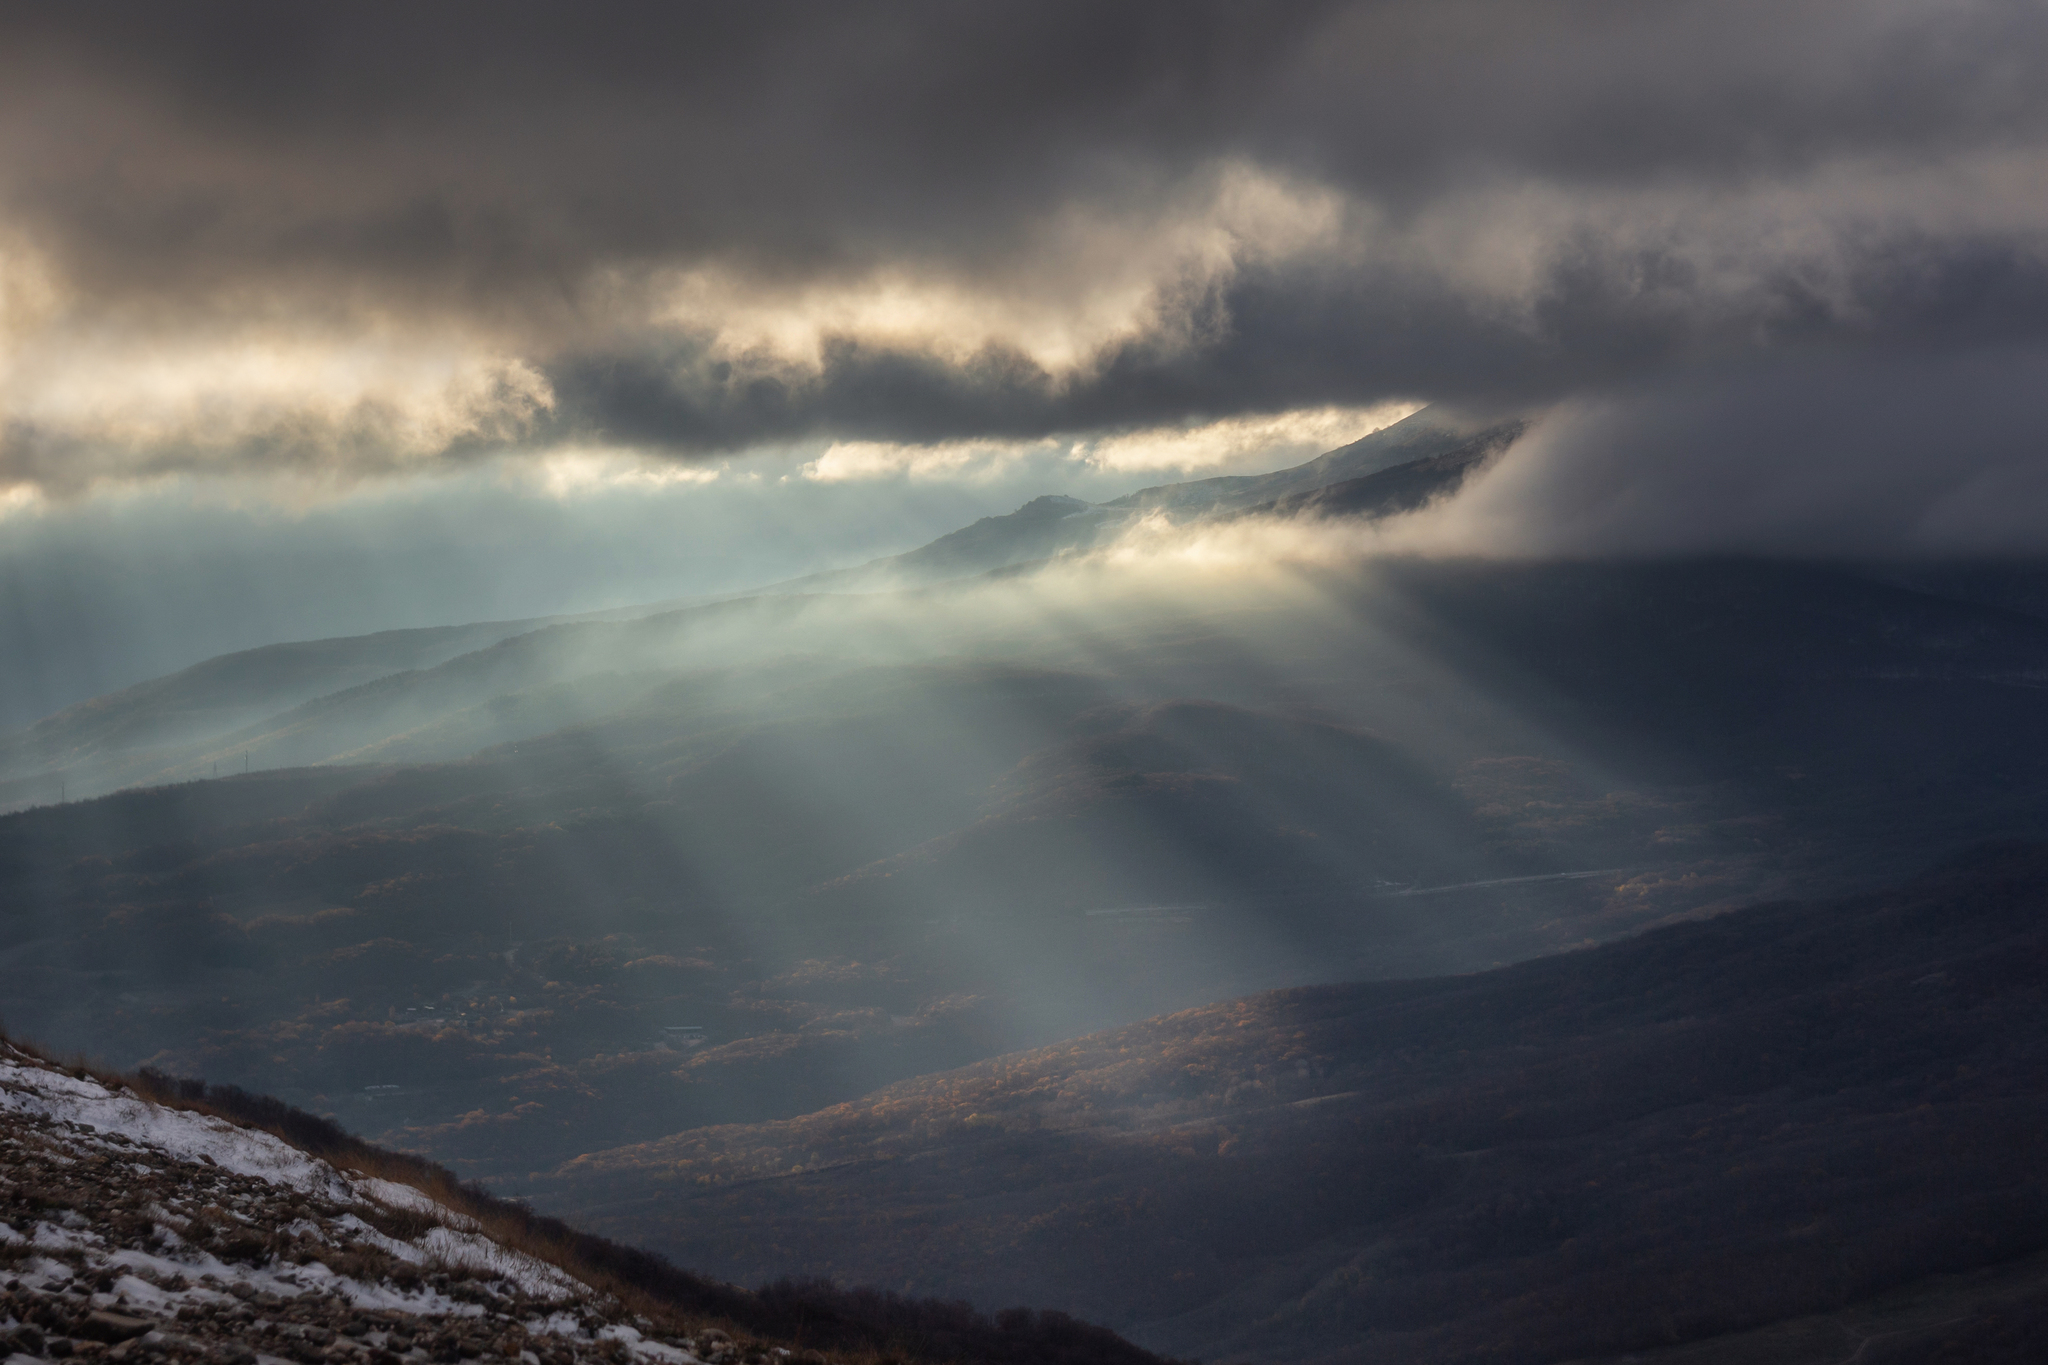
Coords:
144,1218
135,1231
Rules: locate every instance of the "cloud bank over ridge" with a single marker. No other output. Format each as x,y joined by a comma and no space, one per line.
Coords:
237,239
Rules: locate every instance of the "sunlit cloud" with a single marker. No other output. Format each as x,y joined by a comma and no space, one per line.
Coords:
30,295
1238,441
844,461
1161,546
20,498
726,359
1092,250
84,405
1088,277
1230,444
566,474
262,374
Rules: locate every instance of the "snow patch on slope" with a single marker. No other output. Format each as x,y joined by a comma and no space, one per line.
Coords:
187,1235
32,1089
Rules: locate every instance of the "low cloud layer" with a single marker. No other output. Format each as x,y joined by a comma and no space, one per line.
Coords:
357,241
1910,456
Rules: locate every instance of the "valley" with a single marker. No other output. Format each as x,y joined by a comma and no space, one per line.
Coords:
683,922
1774,1114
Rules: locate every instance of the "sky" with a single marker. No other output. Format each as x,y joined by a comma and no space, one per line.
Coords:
320,319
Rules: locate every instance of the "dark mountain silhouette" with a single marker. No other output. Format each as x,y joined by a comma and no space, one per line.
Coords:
1769,1117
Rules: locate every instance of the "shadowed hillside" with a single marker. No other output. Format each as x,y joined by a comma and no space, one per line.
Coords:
1773,1114
1402,488
609,880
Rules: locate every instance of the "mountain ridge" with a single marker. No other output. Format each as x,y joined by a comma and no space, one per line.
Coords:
153,731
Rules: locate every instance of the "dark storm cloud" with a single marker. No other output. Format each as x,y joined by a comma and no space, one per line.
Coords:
1519,199
423,138
486,145
1281,338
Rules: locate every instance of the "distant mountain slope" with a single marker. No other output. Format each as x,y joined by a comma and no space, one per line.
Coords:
1041,528
215,698
1056,524
159,730
1432,431
458,669
847,866
1401,488
1717,1126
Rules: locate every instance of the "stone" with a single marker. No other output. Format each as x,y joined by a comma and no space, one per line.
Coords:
102,1325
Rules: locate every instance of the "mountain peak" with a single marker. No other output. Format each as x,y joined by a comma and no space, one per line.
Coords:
1053,504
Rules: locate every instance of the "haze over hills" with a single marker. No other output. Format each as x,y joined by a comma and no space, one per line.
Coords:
856,838
184,725
124,733
554,887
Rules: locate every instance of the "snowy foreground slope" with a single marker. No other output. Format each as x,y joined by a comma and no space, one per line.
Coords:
134,1231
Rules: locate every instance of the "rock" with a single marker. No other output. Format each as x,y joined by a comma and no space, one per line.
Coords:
101,1325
